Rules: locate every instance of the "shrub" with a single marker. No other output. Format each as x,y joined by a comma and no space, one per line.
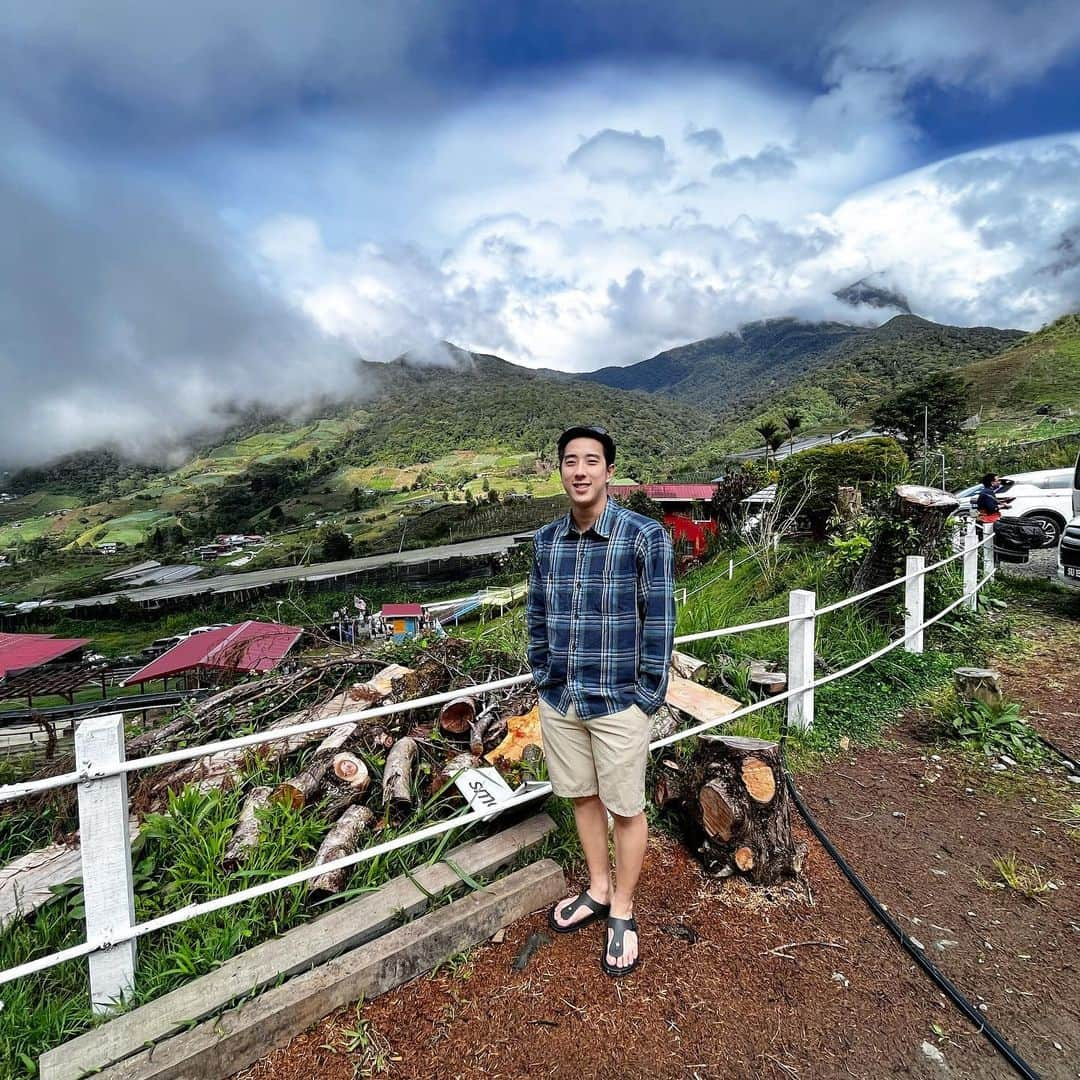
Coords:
871,465
640,503
336,545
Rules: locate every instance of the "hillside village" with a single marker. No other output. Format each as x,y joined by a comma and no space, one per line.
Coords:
294,572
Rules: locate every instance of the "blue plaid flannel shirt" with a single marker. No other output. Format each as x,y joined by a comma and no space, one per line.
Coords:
601,613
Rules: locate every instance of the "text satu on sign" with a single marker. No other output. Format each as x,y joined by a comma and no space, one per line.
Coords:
486,789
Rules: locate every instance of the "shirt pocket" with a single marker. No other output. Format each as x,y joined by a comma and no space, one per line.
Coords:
614,595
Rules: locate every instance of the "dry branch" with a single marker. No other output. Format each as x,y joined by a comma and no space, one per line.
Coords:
398,773
246,836
342,839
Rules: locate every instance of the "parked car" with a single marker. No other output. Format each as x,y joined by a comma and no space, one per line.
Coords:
1069,549
205,629
160,645
1043,498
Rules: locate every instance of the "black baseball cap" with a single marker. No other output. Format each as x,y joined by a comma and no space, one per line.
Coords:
589,431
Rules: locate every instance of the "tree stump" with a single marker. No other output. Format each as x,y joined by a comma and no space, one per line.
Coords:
919,512
978,684
734,808
768,682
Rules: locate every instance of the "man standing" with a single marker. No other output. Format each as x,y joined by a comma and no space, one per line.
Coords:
601,615
987,502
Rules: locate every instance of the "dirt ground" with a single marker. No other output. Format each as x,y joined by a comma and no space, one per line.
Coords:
799,982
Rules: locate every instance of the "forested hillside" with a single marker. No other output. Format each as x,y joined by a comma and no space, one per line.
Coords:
853,365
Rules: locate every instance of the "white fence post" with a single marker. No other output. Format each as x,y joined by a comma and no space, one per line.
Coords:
988,550
106,859
914,603
971,567
801,605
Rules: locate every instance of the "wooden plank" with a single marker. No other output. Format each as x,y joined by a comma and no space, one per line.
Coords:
233,1040
26,883
298,950
697,701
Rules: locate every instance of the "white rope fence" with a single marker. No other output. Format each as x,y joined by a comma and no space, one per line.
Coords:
100,945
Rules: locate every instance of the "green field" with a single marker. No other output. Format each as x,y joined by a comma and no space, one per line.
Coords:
35,505
131,529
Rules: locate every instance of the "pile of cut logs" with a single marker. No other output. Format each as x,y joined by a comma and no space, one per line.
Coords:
372,772
338,778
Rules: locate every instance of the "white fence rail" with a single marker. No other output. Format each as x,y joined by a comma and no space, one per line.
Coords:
101,774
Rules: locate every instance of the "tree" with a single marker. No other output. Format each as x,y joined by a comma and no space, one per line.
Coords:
776,442
336,545
939,402
355,497
767,430
792,421
727,508
157,540
815,476
640,503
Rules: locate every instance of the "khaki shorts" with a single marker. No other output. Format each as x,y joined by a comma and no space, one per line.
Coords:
605,756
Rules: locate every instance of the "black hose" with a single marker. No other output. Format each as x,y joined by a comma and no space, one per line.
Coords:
1019,1065
1071,762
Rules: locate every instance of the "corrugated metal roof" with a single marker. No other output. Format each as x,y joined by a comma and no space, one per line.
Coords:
668,492
391,611
19,652
248,646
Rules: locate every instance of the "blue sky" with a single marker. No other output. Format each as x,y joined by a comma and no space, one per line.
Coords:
222,202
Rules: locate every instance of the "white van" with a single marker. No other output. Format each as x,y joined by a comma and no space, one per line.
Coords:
1042,498
1069,549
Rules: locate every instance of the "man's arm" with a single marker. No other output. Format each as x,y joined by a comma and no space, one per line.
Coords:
536,618
656,599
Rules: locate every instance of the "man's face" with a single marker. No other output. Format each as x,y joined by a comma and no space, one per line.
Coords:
584,473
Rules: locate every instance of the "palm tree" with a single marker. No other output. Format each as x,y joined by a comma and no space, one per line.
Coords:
767,430
792,421
776,442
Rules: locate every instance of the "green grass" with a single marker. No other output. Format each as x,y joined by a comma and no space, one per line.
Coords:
35,505
178,862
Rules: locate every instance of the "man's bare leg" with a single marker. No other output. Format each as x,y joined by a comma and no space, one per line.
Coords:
631,837
591,818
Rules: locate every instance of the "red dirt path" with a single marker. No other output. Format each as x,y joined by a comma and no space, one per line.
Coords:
921,831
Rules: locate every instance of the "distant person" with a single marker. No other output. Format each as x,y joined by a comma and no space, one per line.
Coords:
601,617
988,504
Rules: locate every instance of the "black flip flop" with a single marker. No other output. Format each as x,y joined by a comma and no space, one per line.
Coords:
598,911
618,928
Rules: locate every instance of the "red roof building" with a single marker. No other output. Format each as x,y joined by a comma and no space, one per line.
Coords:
668,493
399,611
244,648
21,652
686,512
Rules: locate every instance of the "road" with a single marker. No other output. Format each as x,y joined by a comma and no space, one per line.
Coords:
254,579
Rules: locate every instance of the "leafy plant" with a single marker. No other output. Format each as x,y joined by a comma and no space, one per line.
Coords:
990,728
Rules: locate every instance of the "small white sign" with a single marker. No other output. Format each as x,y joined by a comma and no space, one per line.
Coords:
484,789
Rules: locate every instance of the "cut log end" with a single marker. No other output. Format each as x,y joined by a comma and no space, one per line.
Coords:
759,780
352,771
744,859
718,814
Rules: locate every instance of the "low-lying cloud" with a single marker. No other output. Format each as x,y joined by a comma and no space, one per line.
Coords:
129,318
230,205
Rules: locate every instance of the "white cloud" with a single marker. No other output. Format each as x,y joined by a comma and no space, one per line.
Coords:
625,156
985,238
771,163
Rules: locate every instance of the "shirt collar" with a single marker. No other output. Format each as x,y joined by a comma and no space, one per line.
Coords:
602,526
